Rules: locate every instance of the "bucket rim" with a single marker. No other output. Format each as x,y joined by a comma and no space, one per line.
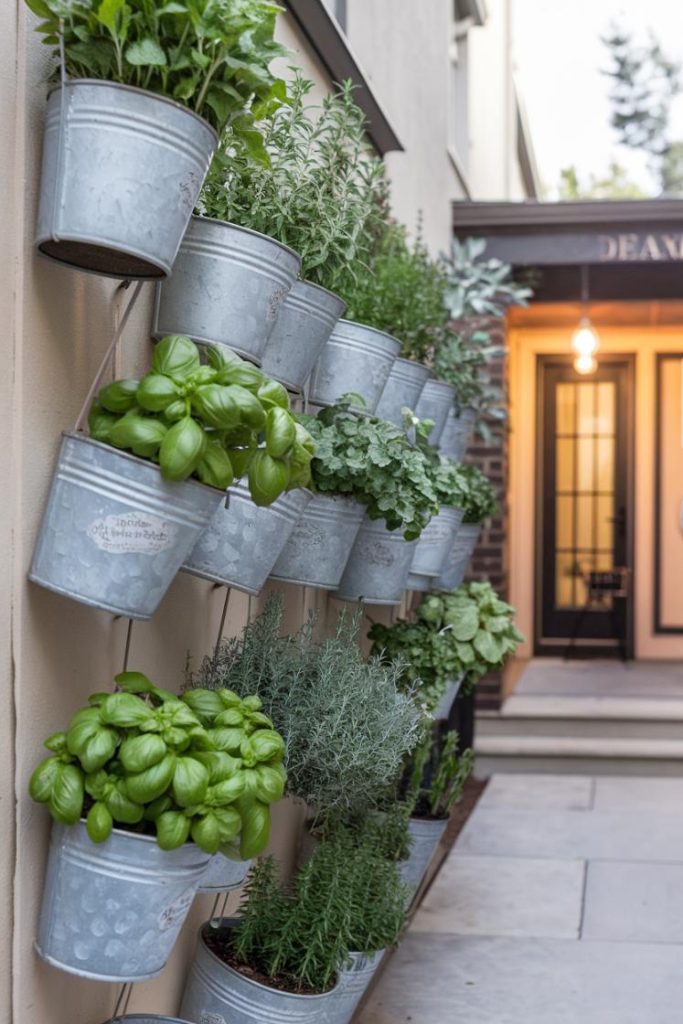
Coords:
201,218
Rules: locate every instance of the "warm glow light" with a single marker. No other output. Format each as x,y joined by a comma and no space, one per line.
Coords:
585,363
585,340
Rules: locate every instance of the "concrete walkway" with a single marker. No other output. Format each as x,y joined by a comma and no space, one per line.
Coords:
562,903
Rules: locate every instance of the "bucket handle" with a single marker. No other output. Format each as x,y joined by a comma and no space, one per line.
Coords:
108,355
59,176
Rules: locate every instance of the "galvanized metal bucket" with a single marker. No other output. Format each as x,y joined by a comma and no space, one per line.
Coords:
378,566
113,911
114,532
436,401
217,994
402,390
305,322
320,544
227,287
425,835
223,874
353,983
436,542
356,359
242,543
443,708
122,170
456,565
457,434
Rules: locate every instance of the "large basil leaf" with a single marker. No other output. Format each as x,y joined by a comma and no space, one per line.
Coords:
251,412
267,744
125,711
156,392
119,396
215,468
270,786
230,790
66,798
138,753
268,478
99,823
143,435
177,357
190,781
181,449
206,833
255,828
146,786
280,432
206,704
173,829
43,779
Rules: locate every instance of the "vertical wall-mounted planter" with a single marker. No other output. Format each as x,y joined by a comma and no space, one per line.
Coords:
227,287
305,322
443,708
113,911
356,359
457,434
122,170
114,532
433,548
402,390
223,874
242,543
215,993
320,544
436,401
378,566
456,565
425,835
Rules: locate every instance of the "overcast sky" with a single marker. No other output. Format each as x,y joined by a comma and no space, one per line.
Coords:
559,55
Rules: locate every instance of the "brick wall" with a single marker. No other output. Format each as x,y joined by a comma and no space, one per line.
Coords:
490,557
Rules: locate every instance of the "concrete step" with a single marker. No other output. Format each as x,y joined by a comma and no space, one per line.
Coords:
615,718
578,755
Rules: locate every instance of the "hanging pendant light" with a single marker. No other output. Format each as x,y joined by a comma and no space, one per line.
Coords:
585,340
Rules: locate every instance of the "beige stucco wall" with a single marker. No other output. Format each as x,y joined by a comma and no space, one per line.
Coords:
643,341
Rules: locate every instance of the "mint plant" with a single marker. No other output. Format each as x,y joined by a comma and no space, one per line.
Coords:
373,461
319,191
214,421
141,759
212,56
481,500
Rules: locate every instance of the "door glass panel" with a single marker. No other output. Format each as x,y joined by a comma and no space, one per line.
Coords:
566,408
585,409
585,463
605,526
564,463
564,526
605,464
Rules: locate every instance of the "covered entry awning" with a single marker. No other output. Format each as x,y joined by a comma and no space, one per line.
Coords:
633,247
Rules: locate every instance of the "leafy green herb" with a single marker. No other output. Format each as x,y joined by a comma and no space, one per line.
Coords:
207,421
481,500
320,191
376,463
143,759
212,56
438,775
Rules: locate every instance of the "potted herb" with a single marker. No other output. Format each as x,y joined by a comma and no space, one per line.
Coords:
124,511
360,464
131,131
437,777
142,795
314,194
437,539
364,727
479,505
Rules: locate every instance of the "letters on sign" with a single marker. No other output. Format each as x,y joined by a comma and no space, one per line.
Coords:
637,247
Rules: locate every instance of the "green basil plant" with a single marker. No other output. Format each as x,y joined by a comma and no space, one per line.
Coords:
212,56
480,500
376,463
215,421
204,769
468,631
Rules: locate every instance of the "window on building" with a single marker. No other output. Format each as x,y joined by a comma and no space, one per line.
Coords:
459,99
337,9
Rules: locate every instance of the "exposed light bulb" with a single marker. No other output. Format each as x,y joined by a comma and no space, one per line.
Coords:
585,363
585,340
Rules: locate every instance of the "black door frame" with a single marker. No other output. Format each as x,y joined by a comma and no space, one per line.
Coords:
544,646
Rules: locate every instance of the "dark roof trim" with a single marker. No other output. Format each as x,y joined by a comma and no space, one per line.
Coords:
332,48
474,9
501,218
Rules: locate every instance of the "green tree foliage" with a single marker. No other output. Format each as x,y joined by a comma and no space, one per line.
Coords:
615,184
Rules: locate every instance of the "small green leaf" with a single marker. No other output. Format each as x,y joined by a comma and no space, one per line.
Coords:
99,823
173,829
66,799
146,53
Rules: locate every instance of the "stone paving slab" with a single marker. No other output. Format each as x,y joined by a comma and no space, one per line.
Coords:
538,792
639,794
448,980
505,896
596,835
634,903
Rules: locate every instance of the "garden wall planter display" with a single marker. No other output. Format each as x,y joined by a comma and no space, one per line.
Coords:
434,545
122,169
215,992
456,565
320,544
113,911
436,401
378,566
443,708
425,836
403,389
242,543
114,532
223,874
305,322
457,434
356,359
227,287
